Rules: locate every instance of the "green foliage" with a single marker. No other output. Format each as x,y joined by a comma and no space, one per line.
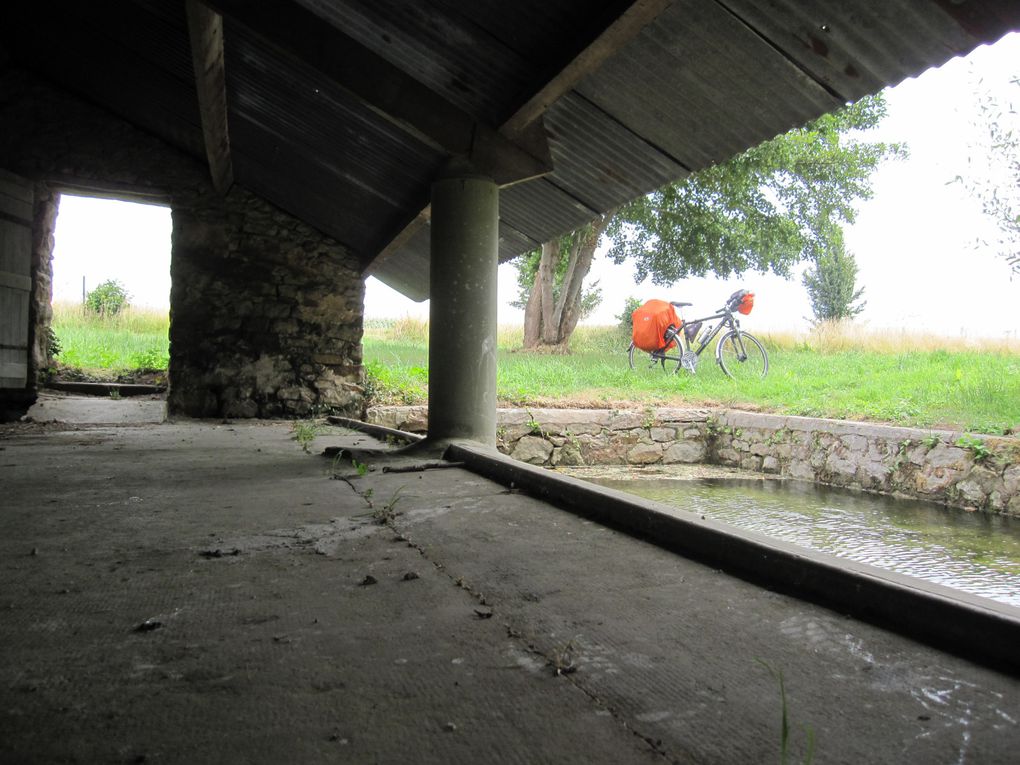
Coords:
53,346
630,305
830,283
979,449
108,299
151,359
387,384
762,210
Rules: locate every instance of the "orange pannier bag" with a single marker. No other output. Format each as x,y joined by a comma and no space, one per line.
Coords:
650,323
746,303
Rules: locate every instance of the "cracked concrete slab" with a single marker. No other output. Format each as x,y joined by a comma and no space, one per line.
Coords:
198,592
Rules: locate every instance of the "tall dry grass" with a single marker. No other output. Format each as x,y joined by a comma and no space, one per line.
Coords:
828,337
839,337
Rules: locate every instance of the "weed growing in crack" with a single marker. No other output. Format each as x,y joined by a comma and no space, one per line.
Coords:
304,433
384,515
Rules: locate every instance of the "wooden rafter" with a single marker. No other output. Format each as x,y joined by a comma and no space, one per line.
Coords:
205,28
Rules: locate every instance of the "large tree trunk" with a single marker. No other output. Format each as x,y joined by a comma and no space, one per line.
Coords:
533,314
568,312
547,277
549,324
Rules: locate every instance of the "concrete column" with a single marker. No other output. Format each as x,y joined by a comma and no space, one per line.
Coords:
462,315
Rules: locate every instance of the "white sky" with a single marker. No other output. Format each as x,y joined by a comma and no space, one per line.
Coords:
913,241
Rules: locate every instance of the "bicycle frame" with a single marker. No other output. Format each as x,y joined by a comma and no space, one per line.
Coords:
728,321
732,345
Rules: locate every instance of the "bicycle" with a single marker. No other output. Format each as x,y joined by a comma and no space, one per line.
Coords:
739,354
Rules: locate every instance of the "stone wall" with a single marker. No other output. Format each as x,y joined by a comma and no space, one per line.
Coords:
944,466
266,312
983,473
266,315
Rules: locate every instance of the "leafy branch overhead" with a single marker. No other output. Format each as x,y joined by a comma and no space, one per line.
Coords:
996,184
764,210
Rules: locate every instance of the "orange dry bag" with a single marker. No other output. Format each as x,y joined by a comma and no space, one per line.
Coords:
651,322
746,303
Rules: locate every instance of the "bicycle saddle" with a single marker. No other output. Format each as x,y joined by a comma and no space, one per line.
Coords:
679,305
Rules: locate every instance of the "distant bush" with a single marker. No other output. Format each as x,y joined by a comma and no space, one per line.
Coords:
630,305
108,299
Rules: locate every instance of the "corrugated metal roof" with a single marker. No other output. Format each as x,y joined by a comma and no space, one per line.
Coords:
594,156
362,169
702,81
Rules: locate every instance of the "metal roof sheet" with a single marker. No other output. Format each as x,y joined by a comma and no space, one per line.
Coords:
702,81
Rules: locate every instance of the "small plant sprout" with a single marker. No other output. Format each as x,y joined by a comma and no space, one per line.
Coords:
360,467
304,433
649,418
384,515
979,449
784,732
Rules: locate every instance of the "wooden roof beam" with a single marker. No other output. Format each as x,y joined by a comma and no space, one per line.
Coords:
385,89
588,59
525,124
205,29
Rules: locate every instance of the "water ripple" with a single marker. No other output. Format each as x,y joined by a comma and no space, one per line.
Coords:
977,553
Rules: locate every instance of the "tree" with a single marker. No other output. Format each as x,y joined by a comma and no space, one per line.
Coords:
108,299
765,209
830,283
996,183
551,282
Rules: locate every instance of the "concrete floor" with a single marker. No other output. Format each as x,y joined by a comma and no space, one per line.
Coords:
196,592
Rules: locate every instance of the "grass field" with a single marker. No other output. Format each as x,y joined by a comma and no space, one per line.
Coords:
904,379
842,372
98,345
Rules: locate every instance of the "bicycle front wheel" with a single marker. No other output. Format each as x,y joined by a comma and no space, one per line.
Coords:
741,356
642,361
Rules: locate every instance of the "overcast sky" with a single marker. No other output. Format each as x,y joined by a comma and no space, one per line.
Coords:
913,241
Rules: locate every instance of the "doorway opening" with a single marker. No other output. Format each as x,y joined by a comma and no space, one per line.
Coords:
111,291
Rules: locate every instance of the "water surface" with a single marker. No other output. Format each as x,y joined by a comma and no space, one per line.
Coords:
978,553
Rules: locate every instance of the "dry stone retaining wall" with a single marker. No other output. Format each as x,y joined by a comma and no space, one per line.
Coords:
984,473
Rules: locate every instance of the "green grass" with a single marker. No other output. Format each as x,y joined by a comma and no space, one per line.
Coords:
133,339
970,389
844,374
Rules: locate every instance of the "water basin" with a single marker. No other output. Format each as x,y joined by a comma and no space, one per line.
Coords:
975,552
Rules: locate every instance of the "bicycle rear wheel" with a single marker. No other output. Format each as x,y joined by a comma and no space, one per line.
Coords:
642,361
741,356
